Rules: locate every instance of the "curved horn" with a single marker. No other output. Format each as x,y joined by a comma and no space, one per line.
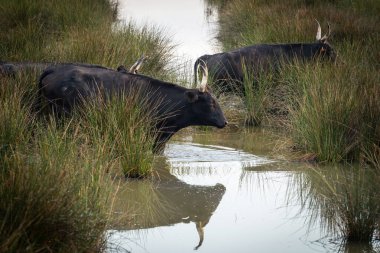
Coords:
326,36
201,234
203,84
137,65
319,32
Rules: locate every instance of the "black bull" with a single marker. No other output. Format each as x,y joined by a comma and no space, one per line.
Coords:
65,86
227,68
170,201
12,69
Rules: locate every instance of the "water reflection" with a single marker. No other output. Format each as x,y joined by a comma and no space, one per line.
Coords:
247,203
344,201
192,155
166,201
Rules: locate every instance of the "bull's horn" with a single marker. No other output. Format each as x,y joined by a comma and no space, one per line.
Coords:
204,79
137,65
326,36
201,234
319,31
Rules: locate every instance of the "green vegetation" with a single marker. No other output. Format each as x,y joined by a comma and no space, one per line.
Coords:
256,88
54,195
56,186
344,200
123,127
78,31
333,109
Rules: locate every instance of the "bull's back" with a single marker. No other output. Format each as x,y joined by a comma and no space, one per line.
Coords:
66,85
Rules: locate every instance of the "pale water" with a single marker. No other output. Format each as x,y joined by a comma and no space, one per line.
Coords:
227,192
241,201
190,24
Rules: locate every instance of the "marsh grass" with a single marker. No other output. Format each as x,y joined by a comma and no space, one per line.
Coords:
14,117
344,200
53,195
256,89
332,110
80,31
56,194
29,26
114,46
58,204
124,125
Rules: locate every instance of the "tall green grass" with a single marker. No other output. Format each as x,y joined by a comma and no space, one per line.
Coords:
79,31
334,108
114,46
125,126
56,186
28,27
334,111
53,196
256,89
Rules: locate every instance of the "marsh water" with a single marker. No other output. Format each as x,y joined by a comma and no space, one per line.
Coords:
226,192
190,24
216,191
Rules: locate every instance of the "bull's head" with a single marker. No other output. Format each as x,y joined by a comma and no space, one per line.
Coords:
325,49
205,109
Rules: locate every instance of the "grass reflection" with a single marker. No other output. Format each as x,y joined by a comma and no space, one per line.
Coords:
344,200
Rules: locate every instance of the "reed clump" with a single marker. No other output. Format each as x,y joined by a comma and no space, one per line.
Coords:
124,124
256,90
53,196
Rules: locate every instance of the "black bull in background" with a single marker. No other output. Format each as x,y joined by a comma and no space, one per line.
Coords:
166,201
65,86
227,68
14,68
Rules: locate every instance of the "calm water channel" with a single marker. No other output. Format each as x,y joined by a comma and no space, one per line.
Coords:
227,192
219,192
190,24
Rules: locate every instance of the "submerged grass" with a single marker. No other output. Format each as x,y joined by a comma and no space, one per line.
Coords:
344,200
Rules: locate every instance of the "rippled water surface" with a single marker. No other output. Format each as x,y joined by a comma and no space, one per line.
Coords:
216,198
227,192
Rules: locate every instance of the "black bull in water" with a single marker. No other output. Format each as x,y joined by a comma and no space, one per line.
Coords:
227,68
66,86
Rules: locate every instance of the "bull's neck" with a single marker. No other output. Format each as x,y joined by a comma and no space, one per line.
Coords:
307,50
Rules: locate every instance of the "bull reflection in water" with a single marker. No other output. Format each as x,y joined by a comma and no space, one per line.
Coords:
167,201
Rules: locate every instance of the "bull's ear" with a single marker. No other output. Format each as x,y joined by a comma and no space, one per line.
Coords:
191,96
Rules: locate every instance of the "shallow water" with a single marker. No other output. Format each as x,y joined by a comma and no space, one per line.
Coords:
190,24
228,192
244,202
